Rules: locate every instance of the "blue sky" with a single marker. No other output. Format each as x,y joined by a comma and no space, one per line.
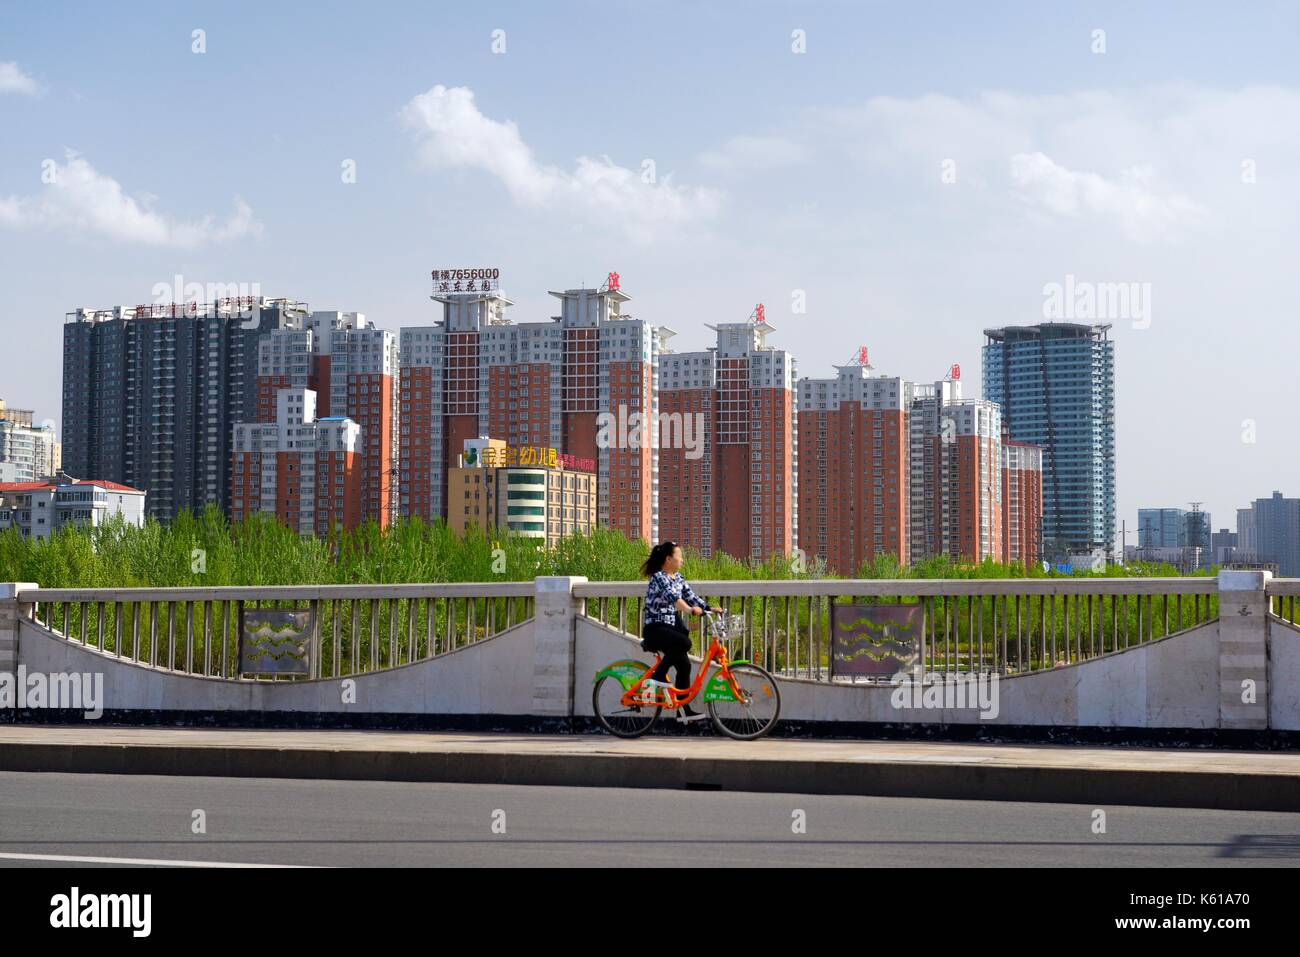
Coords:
774,172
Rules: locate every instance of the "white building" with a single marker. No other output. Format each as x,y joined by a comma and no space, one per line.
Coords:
307,471
31,450
38,509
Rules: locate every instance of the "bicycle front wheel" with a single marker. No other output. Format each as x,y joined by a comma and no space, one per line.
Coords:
756,713
617,718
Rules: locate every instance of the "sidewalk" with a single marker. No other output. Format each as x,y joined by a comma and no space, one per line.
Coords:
1243,780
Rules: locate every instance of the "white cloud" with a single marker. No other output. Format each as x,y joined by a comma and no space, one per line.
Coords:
451,132
754,152
83,200
1132,164
14,80
1143,213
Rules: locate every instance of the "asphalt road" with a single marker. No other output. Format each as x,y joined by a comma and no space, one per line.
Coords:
63,819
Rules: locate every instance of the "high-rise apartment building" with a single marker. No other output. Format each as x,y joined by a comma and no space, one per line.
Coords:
1223,547
1271,533
854,480
583,383
688,397
151,394
1055,383
305,470
1247,542
727,445
956,471
1161,527
1173,528
31,451
1022,502
352,366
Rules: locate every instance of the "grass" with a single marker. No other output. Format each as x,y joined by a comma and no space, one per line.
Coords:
207,550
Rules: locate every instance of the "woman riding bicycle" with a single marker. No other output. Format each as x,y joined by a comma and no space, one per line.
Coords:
667,598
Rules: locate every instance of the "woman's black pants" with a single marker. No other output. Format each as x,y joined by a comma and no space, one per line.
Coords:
675,645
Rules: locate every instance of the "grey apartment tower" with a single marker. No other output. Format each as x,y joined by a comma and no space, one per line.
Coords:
150,394
1056,384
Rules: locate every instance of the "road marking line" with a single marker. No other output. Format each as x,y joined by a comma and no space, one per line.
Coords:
152,862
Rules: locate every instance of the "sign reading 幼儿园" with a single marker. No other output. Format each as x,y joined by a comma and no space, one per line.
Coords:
540,456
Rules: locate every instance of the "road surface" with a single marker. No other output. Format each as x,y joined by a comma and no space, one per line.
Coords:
51,818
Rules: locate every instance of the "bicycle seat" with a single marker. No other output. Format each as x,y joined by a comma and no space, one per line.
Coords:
643,645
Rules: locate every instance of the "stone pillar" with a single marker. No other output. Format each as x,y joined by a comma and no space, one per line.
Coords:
11,612
1243,650
555,614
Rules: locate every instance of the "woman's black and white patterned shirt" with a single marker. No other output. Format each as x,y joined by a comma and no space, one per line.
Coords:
661,598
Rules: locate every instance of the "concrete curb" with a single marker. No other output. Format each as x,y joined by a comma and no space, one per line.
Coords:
932,779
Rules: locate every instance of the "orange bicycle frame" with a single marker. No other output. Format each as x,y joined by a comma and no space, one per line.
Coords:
717,652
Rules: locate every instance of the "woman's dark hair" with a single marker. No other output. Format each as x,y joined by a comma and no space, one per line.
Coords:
658,555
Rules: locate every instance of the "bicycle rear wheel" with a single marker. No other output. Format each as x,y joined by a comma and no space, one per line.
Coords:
617,718
758,710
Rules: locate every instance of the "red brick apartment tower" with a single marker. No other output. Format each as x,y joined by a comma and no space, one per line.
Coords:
417,454
572,384
615,357
352,367
444,388
283,362
357,364
523,368
687,432
307,471
733,489
956,474
854,467
1022,502
580,391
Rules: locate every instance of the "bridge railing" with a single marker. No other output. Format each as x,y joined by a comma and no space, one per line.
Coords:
353,629
1006,626
1282,594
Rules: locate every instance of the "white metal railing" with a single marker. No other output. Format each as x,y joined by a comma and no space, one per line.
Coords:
353,629
1282,594
1008,626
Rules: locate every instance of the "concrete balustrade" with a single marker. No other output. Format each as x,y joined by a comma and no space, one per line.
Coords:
1184,663
12,611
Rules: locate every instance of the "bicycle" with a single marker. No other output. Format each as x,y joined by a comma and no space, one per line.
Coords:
739,697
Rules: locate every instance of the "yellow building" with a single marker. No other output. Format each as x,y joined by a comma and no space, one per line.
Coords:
538,500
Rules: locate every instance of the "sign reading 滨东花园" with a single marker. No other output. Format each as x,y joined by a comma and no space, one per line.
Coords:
448,282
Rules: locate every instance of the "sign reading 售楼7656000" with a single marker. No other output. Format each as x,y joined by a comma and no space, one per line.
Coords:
465,280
